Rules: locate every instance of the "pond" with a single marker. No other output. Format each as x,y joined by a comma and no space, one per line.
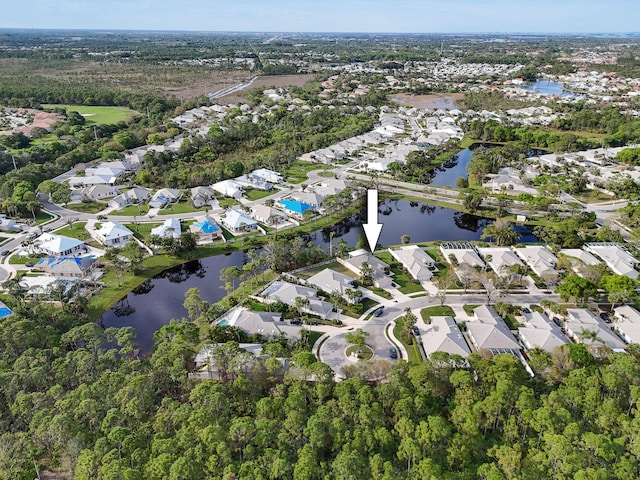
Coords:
446,174
547,87
160,299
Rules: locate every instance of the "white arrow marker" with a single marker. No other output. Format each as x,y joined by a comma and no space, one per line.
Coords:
372,228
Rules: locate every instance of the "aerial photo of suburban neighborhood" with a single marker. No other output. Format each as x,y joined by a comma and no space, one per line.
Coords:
319,255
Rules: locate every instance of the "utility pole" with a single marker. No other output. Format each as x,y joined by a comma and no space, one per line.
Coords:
95,133
14,162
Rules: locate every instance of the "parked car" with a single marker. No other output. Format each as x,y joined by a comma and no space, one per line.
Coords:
557,321
5,253
378,311
415,330
29,264
295,321
393,352
604,316
32,235
525,310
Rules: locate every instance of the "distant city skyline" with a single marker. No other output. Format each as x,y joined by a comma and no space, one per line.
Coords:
399,16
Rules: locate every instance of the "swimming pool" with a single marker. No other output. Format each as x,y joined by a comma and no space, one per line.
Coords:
5,312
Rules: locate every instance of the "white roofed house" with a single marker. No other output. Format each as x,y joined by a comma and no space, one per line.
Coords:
287,293
538,258
77,182
238,222
358,257
443,335
201,196
540,332
170,228
579,257
268,215
110,234
133,195
627,323
205,229
164,197
617,258
416,261
464,254
103,171
499,258
263,323
583,326
331,281
309,198
489,332
267,175
228,188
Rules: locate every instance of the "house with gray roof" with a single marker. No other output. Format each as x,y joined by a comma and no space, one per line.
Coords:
238,222
416,261
330,281
443,335
201,196
164,197
268,215
286,292
539,258
540,332
76,267
581,324
170,228
617,258
354,263
99,192
267,324
132,196
489,332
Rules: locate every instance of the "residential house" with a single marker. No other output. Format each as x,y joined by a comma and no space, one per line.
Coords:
308,198
102,171
44,285
464,254
110,234
443,335
500,258
134,195
358,257
268,215
287,293
330,281
249,181
79,182
582,326
416,261
201,196
170,228
489,332
579,258
228,188
539,259
8,225
58,245
205,229
99,192
540,332
76,267
294,207
263,323
627,323
164,197
237,222
617,258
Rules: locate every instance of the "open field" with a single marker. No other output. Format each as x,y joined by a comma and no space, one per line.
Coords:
98,115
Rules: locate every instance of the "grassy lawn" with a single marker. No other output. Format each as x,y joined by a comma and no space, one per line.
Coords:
408,342
141,230
131,210
98,115
297,173
253,194
365,352
48,138
327,174
469,307
76,230
403,279
180,207
593,196
87,207
16,260
380,291
226,202
314,335
43,217
427,313
354,311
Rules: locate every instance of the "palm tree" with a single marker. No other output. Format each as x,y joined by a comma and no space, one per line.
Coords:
405,239
366,273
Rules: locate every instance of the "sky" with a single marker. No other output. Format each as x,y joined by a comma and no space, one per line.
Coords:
393,16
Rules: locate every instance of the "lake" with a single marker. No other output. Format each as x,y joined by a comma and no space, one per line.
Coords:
160,299
547,87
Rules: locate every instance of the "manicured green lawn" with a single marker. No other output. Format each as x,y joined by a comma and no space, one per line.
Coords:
87,207
43,217
227,202
297,173
131,210
142,230
180,207
365,352
76,230
98,115
333,266
16,260
444,311
403,279
469,307
314,335
254,194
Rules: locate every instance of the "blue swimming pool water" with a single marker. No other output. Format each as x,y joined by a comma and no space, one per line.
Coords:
5,312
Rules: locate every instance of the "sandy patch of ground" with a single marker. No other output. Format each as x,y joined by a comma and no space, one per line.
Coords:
220,80
432,100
